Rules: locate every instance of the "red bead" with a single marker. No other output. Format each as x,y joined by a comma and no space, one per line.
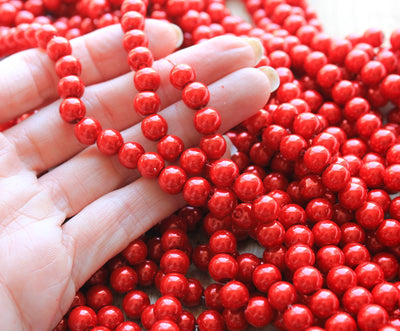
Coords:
285,114
355,60
207,121
281,295
369,274
140,57
181,75
388,263
98,296
291,214
186,321
129,154
194,294
352,196
58,47
328,257
381,140
326,233
223,173
258,312
109,142
248,187
388,233
273,135
147,79
355,298
324,303
210,320
70,86
373,72
164,324
195,95
369,215
214,146
297,317
127,326
123,279
134,303
222,241
306,125
355,254
132,20
299,234
172,179
87,131
234,295
247,262
174,284
386,295
45,34
147,103
265,209
72,110
316,158
154,127
392,177
352,232
110,317
193,160
340,279
335,177
211,297
341,321
299,255
82,318
136,252
150,164
174,238
146,272
270,234
147,317
196,191
222,267
328,75
292,147
371,317
133,39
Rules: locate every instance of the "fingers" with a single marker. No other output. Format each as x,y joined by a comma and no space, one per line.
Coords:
90,175
44,140
28,78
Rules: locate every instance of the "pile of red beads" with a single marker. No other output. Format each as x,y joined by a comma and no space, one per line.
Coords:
312,180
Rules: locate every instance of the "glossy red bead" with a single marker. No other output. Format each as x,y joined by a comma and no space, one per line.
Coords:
129,154
81,318
223,267
147,79
297,317
140,57
195,95
258,312
371,317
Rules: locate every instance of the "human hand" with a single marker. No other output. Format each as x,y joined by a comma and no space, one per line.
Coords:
46,176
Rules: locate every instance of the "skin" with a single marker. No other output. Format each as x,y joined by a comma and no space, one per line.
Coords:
46,176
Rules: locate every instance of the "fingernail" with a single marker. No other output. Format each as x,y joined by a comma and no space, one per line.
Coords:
179,35
272,76
231,149
257,47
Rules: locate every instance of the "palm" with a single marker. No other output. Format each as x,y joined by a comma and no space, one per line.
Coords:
46,176
36,260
